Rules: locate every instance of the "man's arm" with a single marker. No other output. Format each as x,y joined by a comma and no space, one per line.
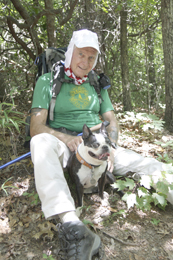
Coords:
38,126
113,128
113,131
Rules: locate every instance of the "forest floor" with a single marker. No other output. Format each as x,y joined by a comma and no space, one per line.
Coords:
127,234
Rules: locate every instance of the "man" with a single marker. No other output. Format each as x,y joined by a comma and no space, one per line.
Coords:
76,104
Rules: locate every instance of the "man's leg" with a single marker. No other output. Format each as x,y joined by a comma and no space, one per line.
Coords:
130,161
50,182
75,238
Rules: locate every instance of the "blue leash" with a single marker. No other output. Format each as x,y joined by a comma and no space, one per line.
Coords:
106,123
16,160
19,159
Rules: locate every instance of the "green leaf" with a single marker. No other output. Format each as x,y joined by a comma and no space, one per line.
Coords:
162,187
130,199
146,181
155,221
144,202
121,212
87,222
120,185
171,186
159,199
130,183
142,192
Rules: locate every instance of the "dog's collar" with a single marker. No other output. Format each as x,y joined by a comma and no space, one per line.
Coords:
82,161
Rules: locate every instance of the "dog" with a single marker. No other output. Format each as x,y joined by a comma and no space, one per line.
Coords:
88,166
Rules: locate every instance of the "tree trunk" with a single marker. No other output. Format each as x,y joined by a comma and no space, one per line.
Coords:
124,63
50,20
2,87
167,35
151,69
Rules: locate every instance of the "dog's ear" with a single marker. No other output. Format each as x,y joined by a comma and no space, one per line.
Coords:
86,132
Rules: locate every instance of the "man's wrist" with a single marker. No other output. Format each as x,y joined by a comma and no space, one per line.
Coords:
114,145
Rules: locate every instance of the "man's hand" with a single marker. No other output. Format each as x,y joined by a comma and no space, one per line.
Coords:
38,126
73,142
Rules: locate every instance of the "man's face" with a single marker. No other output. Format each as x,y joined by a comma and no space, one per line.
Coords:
83,60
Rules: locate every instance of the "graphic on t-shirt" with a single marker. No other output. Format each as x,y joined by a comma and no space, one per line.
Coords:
79,97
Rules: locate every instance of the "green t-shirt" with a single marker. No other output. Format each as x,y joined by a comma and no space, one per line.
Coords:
75,105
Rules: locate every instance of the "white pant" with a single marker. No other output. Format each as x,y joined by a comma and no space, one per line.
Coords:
50,156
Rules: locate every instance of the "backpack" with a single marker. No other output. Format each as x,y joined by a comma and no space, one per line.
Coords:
52,60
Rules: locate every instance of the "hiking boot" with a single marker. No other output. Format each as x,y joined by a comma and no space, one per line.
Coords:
78,242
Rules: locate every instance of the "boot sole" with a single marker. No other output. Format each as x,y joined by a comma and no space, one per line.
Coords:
95,247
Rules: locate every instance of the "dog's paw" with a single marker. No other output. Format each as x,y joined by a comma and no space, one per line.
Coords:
79,211
105,200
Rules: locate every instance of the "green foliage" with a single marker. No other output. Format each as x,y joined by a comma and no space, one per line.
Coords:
144,120
143,195
110,219
121,185
164,145
48,257
164,158
120,212
155,221
16,61
4,186
87,222
152,121
35,196
9,118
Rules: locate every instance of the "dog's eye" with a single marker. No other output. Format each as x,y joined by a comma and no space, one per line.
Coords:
95,145
108,141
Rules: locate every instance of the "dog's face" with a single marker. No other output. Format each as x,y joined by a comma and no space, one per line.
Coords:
97,146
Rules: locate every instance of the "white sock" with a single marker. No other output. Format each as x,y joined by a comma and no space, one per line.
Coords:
68,216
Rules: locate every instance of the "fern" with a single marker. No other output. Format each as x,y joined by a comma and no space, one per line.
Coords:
9,118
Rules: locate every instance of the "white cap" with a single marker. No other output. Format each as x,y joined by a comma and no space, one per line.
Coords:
80,39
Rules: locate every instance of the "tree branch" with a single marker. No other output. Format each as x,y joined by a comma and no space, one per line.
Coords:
20,25
69,14
22,11
28,20
151,27
18,40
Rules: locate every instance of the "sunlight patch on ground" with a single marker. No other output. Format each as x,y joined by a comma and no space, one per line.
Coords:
20,187
169,248
4,226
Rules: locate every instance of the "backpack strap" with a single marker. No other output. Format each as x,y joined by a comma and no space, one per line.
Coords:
94,81
56,82
44,67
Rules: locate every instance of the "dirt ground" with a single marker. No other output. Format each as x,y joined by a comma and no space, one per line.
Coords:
126,234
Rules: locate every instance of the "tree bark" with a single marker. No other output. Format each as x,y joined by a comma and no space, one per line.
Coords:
124,62
167,35
151,69
50,18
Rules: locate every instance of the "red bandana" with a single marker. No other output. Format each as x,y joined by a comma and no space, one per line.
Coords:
70,74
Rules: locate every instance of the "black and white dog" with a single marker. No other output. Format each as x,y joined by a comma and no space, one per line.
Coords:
88,166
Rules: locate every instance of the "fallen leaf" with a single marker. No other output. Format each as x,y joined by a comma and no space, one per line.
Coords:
112,210
138,257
